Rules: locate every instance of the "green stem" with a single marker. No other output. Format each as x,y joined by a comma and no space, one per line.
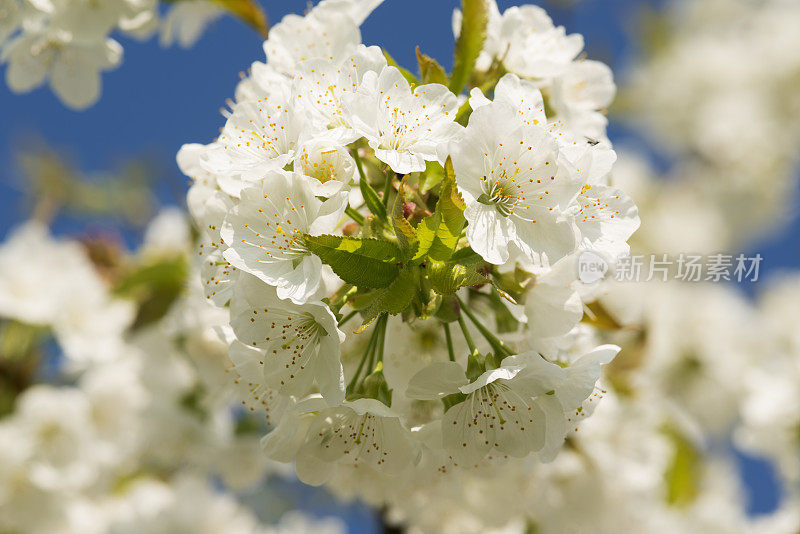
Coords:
449,339
387,188
357,217
470,343
383,334
499,347
367,354
357,159
346,318
381,327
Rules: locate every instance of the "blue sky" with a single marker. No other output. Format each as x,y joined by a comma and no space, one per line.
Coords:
161,98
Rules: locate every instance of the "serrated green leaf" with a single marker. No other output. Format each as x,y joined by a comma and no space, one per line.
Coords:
395,298
429,69
361,262
475,17
466,256
406,234
248,11
362,301
410,78
439,233
447,278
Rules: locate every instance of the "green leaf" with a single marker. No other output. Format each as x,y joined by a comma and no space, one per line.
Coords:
433,175
248,11
439,234
362,262
395,298
410,78
154,286
447,277
406,234
429,69
466,256
371,198
475,17
362,301
683,472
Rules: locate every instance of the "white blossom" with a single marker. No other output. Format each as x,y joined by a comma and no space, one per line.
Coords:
264,232
363,433
299,344
404,127
516,186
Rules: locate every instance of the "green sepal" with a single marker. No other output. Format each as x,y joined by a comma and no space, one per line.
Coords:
463,113
514,285
375,387
504,320
476,365
453,399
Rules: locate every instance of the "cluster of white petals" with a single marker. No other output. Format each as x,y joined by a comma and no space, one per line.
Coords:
724,80
125,428
384,287
410,398
67,43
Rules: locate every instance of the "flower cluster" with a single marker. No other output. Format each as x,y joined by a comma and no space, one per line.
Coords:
724,79
124,424
67,43
486,200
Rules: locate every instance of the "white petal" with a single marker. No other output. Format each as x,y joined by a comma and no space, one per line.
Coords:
437,380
